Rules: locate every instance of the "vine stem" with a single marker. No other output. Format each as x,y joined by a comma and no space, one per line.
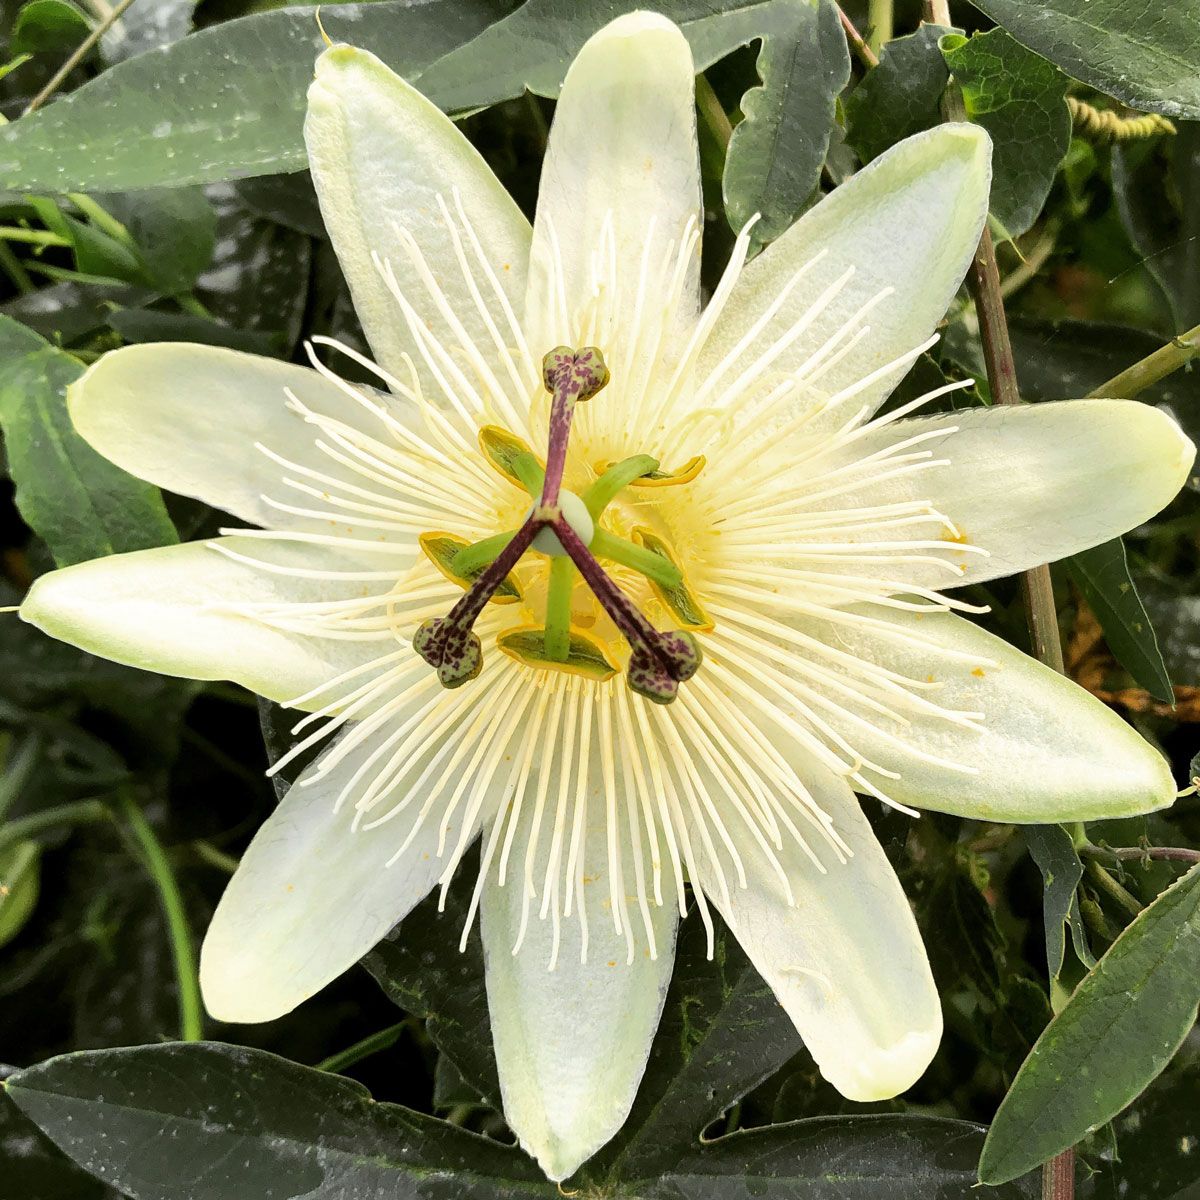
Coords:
983,279
191,1027
713,112
80,53
369,1045
1178,352
858,43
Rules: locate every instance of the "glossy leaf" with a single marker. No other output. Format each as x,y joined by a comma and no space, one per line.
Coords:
78,502
901,96
1102,575
48,26
904,1157
1019,99
211,1121
773,164
1116,1033
34,1168
147,25
1145,55
1054,853
224,103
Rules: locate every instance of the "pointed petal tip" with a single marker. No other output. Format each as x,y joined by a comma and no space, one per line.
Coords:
888,1070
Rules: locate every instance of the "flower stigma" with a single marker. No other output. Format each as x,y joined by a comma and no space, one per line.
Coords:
561,525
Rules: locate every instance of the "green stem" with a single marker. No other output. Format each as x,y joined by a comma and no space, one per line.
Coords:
1107,884
1140,853
858,43
191,1021
638,558
558,609
15,270
207,853
603,491
471,558
1175,354
364,1049
102,219
33,237
880,23
191,305
79,812
712,113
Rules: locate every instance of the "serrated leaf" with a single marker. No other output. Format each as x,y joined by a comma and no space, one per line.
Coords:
1102,575
211,1121
1116,1033
1020,99
901,96
773,164
1052,849
223,103
75,500
1145,55
903,1157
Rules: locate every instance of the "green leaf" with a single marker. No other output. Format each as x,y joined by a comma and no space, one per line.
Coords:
174,231
34,1168
223,103
773,164
1020,99
210,1122
1157,188
1054,852
48,26
19,876
150,325
146,26
77,501
1145,55
421,969
901,96
722,1033
1102,575
905,1157
1116,1033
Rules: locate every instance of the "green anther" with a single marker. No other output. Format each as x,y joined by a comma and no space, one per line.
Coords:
584,656
445,549
471,559
512,458
677,596
558,609
615,478
656,567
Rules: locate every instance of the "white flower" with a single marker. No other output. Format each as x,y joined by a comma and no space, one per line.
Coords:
804,539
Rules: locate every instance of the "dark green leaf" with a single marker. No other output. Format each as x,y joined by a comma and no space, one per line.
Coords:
899,97
1054,853
1117,1032
1157,188
1020,99
421,969
68,312
288,200
1102,575
1144,54
78,502
223,103
173,229
150,325
48,26
838,1158
773,164
209,1122
34,1168
722,1033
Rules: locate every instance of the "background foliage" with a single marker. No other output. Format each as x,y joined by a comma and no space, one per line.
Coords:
162,196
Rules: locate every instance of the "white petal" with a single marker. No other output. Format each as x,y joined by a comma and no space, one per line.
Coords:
310,897
846,960
174,610
572,1042
1048,750
190,418
908,221
622,157
1031,484
381,155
